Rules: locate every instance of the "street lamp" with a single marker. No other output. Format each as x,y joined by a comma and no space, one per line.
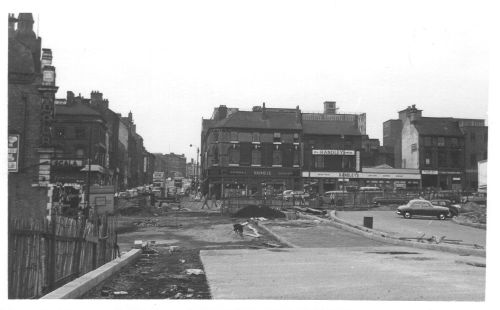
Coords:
310,163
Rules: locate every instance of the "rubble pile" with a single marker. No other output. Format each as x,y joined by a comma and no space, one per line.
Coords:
259,211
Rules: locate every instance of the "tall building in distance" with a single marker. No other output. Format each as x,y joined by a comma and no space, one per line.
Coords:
446,150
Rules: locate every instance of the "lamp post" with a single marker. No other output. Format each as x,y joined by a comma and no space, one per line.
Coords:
310,164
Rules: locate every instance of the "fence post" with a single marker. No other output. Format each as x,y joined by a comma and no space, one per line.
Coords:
95,245
52,254
80,224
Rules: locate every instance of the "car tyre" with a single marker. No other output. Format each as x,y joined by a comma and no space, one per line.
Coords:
442,216
407,215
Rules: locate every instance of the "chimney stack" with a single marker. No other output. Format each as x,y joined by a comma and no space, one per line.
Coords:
298,115
46,57
264,115
329,107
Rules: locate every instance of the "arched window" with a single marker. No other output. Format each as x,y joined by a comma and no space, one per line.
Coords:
256,155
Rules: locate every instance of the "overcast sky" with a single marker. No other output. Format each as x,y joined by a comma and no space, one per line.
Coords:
172,64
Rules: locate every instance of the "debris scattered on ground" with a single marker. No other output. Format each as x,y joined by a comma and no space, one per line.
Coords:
259,211
173,248
258,219
194,271
182,261
137,244
178,295
147,222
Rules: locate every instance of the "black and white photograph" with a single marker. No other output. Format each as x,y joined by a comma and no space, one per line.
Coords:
167,151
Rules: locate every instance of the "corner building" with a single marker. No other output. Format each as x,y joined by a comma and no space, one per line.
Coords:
251,152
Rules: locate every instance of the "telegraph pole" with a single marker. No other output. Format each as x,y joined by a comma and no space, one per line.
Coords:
89,155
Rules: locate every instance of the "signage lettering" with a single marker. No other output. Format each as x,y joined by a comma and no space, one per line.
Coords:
429,172
333,152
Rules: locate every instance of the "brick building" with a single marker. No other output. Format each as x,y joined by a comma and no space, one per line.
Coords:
80,136
332,148
174,165
444,149
251,151
31,92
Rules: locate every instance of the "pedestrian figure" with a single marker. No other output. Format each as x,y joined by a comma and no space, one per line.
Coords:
205,202
332,199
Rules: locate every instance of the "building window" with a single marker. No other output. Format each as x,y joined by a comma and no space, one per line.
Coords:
80,133
434,141
277,156
234,154
296,155
442,159
234,136
277,137
216,155
454,142
216,136
60,132
295,137
427,141
428,158
455,159
255,137
440,141
319,161
414,147
473,159
256,156
473,136
80,152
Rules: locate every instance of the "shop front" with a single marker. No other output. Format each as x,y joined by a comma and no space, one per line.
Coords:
248,181
442,179
327,181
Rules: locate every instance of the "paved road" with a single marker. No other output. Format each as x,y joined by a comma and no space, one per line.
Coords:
354,273
311,234
391,223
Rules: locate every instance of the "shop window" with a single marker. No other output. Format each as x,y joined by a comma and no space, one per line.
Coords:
277,137
440,141
256,156
216,136
80,133
234,154
427,141
277,156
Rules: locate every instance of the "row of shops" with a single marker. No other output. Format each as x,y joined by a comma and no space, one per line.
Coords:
259,181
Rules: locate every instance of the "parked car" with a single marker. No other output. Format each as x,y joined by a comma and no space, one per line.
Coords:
339,196
122,195
422,207
287,195
300,194
454,208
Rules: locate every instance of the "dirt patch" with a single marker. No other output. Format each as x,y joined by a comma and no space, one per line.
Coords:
176,240
259,211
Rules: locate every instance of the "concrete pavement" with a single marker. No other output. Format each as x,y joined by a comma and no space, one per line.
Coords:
343,273
397,226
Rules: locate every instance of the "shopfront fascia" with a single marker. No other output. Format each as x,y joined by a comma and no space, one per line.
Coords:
443,179
254,180
335,180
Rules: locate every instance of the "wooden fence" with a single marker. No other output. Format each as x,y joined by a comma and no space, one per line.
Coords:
48,253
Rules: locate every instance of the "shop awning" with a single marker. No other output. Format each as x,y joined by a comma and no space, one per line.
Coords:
93,168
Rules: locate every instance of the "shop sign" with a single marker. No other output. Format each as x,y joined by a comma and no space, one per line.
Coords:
429,172
361,175
236,172
333,152
60,163
456,179
13,153
262,172
450,172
